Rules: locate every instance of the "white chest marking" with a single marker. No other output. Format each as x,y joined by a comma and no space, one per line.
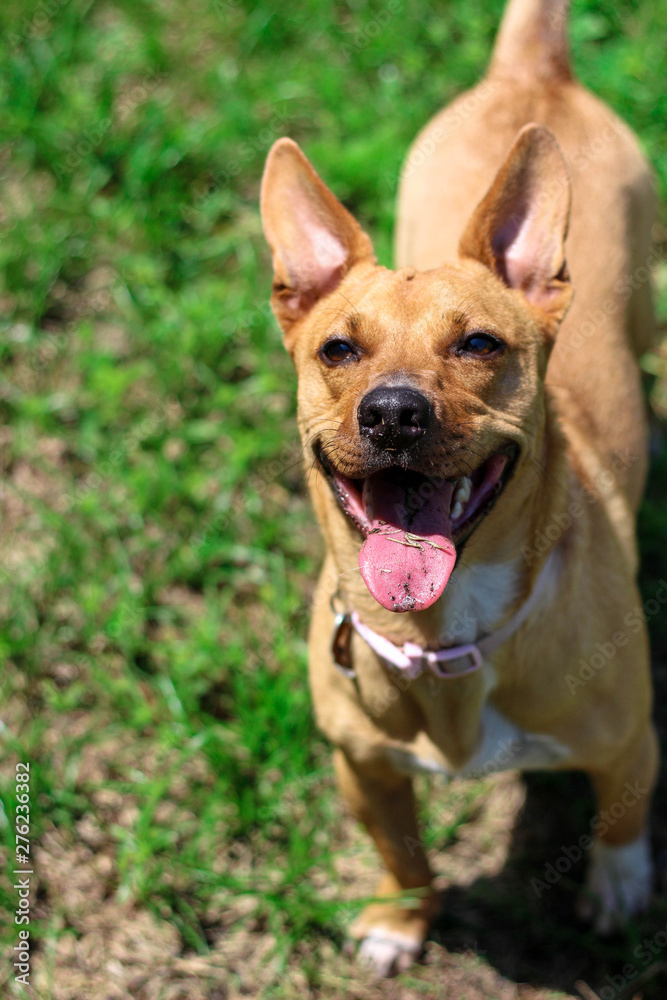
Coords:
476,599
506,747
503,747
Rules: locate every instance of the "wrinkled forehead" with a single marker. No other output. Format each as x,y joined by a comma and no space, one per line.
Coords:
409,306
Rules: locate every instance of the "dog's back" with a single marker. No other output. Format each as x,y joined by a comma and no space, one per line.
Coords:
452,164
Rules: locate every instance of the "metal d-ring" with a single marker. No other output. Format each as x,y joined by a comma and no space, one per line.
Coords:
341,641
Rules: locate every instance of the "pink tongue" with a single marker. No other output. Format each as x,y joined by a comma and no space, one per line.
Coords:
408,555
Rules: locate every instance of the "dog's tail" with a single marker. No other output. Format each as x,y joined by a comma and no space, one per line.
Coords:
532,40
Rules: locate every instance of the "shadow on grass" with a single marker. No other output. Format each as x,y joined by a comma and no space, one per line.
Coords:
530,933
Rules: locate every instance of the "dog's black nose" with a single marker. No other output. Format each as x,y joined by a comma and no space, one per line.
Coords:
393,417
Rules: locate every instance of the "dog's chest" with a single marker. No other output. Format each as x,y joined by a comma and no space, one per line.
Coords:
503,747
478,598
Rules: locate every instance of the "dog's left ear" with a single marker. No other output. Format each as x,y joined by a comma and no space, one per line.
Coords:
518,230
314,239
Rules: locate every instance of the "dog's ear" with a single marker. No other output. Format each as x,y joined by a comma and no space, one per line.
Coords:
314,240
518,230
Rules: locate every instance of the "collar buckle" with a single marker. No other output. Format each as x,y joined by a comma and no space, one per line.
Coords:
341,642
454,653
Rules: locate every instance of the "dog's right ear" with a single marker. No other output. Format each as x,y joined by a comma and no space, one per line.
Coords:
314,240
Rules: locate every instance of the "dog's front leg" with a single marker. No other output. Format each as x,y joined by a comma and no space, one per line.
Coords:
392,934
620,876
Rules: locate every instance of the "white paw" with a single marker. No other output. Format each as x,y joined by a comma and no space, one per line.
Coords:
384,952
618,885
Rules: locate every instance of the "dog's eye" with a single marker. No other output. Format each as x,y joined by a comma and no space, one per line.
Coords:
480,344
335,351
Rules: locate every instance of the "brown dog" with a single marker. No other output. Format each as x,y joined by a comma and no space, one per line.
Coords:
480,458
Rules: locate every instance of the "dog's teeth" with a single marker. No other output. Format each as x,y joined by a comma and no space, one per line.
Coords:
457,510
463,489
461,496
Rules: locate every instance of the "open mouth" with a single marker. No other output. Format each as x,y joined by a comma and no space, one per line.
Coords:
411,525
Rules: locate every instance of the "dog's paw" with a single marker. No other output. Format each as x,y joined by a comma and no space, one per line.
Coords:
385,952
618,885
391,937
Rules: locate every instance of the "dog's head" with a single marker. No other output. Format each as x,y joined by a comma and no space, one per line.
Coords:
420,393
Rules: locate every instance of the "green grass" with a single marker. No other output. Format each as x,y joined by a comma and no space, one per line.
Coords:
157,553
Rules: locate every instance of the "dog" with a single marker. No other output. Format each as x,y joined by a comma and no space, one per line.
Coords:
476,422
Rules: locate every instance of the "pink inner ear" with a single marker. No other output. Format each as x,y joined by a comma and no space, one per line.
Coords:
322,255
315,259
527,254
522,257
313,239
